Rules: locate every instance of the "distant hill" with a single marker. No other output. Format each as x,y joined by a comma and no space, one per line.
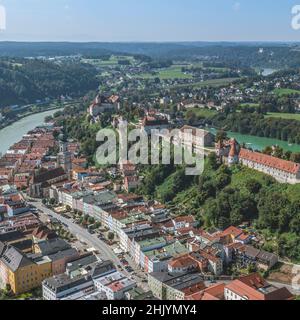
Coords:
242,54
24,81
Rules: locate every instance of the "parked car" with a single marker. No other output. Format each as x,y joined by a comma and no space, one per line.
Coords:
129,269
124,262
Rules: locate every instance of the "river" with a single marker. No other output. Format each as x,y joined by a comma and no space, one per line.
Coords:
267,72
259,143
15,132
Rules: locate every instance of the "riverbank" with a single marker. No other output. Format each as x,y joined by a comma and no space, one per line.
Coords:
28,114
14,132
260,143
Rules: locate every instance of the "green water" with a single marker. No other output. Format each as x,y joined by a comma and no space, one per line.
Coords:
258,143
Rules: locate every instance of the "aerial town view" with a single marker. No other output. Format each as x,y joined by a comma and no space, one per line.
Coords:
157,165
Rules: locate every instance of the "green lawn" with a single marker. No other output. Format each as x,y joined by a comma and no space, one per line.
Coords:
285,92
244,174
289,116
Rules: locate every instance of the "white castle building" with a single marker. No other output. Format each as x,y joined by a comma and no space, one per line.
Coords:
283,171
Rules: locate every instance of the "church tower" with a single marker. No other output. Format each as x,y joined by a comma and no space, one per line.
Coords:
64,157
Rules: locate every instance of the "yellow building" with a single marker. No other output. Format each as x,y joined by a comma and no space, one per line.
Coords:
21,272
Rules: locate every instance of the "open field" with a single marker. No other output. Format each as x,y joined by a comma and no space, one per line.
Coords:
208,83
289,116
174,72
113,61
285,92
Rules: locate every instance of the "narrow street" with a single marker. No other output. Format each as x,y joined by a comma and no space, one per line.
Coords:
105,250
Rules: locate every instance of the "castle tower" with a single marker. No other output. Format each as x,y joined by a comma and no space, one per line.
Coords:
233,157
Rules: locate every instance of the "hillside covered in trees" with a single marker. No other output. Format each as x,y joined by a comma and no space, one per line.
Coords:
224,196
24,81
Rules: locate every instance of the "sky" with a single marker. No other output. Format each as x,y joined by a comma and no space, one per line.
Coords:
149,20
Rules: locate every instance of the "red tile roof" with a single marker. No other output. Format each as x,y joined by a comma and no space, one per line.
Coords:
254,287
215,292
182,262
284,165
186,219
153,121
232,231
194,289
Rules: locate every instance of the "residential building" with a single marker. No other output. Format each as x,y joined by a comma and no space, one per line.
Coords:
48,247
78,280
245,255
168,286
213,293
131,183
150,123
157,260
62,286
115,285
60,259
254,287
21,273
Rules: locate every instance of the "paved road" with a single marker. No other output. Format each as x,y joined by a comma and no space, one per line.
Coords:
83,235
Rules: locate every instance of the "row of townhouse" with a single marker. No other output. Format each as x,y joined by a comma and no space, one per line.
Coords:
192,286
133,228
233,245
144,234
95,204
146,246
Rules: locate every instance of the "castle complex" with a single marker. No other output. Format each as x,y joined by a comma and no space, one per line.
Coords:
283,171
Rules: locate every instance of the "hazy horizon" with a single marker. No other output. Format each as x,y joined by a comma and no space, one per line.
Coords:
140,21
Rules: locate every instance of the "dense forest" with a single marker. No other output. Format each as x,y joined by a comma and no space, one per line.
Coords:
258,125
24,81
